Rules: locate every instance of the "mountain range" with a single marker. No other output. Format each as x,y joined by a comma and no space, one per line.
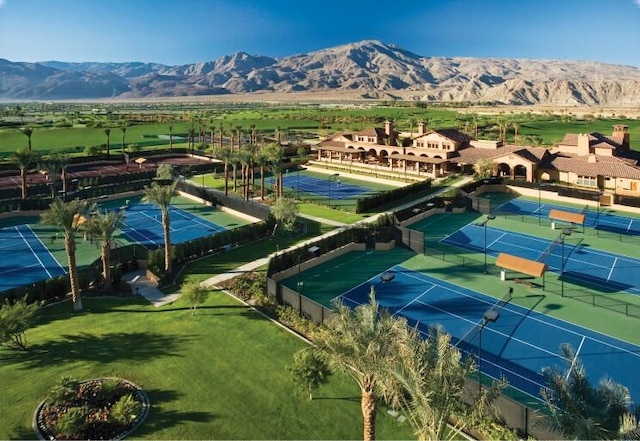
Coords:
369,69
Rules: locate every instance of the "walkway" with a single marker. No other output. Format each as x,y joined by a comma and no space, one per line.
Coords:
141,285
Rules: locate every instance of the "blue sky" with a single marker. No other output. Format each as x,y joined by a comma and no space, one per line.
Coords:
188,31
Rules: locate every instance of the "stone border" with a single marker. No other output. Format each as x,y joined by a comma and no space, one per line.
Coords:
142,395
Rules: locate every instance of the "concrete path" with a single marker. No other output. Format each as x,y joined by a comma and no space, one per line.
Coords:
141,285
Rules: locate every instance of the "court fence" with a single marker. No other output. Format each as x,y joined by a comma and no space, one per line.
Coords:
216,197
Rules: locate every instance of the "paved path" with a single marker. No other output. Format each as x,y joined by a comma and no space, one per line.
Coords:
141,285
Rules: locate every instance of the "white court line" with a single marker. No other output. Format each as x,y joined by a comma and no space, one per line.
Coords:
33,251
497,240
47,249
629,226
414,300
612,267
575,357
19,269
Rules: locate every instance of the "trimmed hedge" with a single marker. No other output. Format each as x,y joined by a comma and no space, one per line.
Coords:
379,199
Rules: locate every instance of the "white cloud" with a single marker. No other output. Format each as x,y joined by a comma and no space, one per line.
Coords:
2,3
637,2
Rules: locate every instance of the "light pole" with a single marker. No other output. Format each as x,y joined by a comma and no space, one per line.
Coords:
489,316
490,217
335,175
599,196
565,232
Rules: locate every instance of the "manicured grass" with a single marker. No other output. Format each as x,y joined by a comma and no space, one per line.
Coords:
329,213
220,374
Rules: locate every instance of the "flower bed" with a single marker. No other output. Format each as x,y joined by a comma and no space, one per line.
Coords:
102,408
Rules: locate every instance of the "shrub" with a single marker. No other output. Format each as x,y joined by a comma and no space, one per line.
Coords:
63,390
126,410
73,421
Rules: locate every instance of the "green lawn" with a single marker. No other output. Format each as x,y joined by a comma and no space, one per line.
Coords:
220,374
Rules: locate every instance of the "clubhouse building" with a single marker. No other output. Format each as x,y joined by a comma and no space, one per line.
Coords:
593,160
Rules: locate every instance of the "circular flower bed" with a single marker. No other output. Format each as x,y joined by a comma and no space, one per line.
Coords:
102,408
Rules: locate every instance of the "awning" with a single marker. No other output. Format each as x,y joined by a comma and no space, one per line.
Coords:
567,216
140,160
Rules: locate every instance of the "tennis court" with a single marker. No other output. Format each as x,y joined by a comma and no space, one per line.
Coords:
24,259
331,187
600,220
518,345
581,262
142,223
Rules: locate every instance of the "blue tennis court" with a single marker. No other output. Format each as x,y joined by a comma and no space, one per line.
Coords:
24,259
518,345
330,187
593,219
142,223
581,262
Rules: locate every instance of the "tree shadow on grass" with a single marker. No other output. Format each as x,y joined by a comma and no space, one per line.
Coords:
101,348
159,419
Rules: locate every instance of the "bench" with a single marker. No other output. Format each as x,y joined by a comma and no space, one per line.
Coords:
524,282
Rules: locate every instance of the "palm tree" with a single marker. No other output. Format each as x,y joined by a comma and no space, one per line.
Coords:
123,127
23,159
103,226
234,160
262,160
107,132
51,166
361,343
245,157
191,141
433,374
28,131
161,195
515,126
225,155
579,410
69,216
275,153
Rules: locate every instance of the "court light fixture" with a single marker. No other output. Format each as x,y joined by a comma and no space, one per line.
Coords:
565,232
490,316
388,276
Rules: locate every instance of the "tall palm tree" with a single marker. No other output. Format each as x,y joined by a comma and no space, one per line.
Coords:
123,127
579,410
51,166
69,216
262,160
225,155
515,126
275,153
361,344
107,132
23,159
234,160
103,226
245,157
192,136
161,196
28,131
